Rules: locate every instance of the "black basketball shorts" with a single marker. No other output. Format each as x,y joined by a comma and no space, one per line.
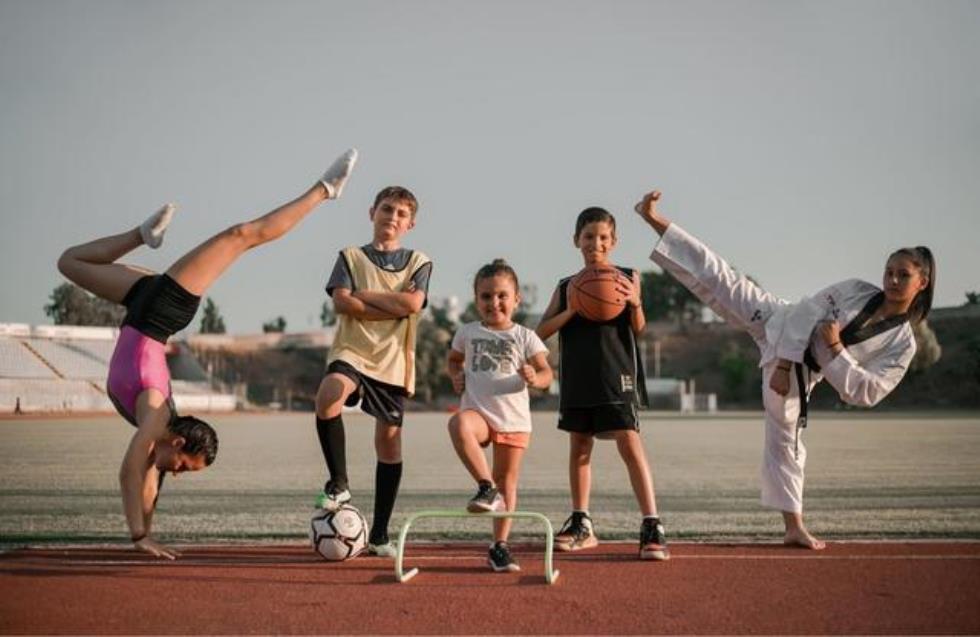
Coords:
600,421
383,401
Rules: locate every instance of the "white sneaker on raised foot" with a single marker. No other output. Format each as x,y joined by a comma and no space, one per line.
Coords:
152,229
386,549
336,176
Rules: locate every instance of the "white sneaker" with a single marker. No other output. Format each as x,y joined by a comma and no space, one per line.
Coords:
387,549
336,176
152,229
331,498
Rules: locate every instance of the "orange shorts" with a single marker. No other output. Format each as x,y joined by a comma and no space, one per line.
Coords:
519,439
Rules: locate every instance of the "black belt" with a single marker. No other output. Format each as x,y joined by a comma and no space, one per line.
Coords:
804,399
854,332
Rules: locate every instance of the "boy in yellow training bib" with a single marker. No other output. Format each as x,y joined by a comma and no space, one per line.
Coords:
378,291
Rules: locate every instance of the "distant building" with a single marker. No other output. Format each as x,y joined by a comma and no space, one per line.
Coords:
240,343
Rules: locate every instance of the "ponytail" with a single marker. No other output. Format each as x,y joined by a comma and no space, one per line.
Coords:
922,257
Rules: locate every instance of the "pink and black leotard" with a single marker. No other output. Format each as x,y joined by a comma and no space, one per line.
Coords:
156,308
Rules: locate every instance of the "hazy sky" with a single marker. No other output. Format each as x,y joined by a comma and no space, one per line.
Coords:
802,140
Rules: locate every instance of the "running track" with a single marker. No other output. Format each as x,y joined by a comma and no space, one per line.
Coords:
866,588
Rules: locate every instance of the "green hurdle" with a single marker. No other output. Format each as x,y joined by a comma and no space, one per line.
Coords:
550,574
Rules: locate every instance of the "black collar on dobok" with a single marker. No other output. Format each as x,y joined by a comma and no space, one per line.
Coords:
855,332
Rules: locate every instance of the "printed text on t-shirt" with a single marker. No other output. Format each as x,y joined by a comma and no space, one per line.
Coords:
491,354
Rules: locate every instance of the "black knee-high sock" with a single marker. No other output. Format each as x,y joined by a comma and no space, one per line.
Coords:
387,477
333,443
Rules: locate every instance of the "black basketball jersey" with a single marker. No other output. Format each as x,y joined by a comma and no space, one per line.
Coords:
599,363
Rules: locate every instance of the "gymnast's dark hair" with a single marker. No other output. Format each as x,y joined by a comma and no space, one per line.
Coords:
199,438
922,257
496,267
592,215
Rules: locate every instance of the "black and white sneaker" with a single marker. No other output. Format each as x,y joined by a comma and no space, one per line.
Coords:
487,498
382,547
576,533
332,496
653,540
500,559
379,544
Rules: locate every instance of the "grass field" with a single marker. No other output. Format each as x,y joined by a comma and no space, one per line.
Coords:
869,476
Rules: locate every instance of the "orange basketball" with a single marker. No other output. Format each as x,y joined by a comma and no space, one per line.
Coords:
598,293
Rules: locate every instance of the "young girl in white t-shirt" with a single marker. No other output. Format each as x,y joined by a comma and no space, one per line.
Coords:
492,362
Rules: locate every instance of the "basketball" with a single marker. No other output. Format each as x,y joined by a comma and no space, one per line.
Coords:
339,535
598,293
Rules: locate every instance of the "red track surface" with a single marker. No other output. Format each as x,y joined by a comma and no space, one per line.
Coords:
849,588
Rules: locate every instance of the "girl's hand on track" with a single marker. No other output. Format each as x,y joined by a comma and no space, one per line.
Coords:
154,548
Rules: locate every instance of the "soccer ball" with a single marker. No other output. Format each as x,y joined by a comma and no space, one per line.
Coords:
339,535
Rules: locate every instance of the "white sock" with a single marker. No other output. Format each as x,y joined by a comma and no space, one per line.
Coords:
336,176
153,228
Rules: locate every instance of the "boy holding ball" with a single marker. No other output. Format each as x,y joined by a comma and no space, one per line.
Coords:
602,387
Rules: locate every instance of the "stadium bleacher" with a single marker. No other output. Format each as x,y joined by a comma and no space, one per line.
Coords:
71,358
64,368
16,361
51,395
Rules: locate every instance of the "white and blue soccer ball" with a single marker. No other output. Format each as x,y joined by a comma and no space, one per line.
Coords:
339,535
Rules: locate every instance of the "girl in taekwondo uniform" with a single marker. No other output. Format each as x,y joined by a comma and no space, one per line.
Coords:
854,334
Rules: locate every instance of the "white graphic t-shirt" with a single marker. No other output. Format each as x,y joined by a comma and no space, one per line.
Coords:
492,358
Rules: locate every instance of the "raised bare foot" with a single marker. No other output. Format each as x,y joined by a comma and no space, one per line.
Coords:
647,209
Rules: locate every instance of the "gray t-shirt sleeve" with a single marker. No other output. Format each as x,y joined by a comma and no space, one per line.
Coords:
421,279
340,277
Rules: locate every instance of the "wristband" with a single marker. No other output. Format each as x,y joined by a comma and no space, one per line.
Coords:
137,538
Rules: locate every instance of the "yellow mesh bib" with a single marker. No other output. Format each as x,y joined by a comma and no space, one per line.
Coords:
381,350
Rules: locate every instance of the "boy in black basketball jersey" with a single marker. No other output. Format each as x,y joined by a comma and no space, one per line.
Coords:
602,386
